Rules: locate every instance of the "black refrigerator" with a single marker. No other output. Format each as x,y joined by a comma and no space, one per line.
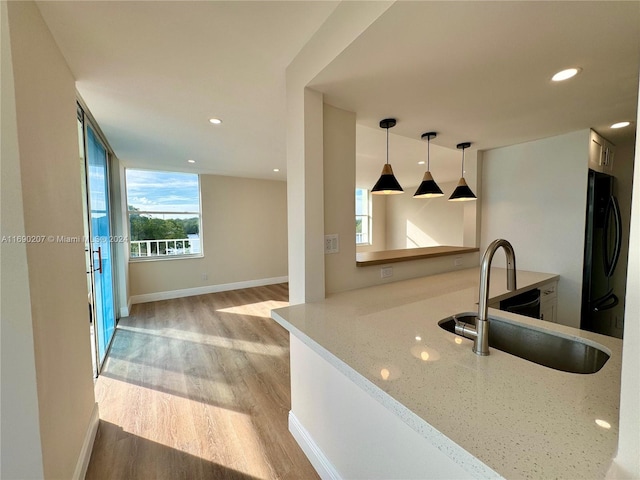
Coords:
603,238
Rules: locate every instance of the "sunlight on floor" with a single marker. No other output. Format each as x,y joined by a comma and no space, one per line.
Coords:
247,346
261,308
199,390
171,382
186,425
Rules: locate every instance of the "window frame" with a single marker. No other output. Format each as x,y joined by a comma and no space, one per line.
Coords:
367,216
156,257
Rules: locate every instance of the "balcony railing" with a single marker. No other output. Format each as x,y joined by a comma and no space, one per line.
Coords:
362,238
164,247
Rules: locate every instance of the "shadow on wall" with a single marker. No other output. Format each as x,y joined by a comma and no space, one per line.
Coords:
417,237
415,223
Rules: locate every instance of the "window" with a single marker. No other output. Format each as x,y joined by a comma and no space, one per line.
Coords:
363,217
164,214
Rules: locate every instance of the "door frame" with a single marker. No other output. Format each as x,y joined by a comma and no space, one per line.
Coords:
87,121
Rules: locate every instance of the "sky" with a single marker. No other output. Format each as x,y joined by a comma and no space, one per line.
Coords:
153,191
361,202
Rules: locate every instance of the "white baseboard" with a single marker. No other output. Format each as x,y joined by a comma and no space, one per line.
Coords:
188,292
125,311
320,462
87,445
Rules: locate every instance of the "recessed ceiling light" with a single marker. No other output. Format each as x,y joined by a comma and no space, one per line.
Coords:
276,169
566,74
620,124
215,121
191,161
603,424
421,162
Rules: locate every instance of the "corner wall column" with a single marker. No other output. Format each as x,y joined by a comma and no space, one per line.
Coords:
305,195
305,143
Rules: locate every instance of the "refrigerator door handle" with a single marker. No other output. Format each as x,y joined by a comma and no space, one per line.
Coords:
611,258
605,302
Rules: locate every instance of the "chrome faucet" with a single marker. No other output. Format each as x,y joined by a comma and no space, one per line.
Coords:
480,333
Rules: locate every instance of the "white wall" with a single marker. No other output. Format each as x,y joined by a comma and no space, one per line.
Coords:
472,210
20,447
628,458
339,200
534,195
424,222
244,238
45,101
623,171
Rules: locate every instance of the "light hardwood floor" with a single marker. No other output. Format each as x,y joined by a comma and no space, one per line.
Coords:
198,388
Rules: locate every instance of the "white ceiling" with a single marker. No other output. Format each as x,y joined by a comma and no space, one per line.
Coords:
480,72
152,73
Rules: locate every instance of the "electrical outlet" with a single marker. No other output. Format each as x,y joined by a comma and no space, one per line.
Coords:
386,272
331,243
205,276
457,261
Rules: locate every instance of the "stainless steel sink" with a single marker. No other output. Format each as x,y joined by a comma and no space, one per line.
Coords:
543,348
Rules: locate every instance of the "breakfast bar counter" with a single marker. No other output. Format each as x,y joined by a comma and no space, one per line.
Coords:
477,417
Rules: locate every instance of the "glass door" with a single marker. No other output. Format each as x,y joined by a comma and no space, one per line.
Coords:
99,245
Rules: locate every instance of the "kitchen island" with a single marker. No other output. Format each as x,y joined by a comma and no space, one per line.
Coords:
379,390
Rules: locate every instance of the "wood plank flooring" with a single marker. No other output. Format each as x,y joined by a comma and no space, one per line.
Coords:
198,388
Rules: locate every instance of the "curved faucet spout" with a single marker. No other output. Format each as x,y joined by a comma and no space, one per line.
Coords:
485,272
481,342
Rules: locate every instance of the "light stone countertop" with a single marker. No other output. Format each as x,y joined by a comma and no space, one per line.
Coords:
519,419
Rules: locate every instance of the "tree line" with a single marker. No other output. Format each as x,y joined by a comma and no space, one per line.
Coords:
148,228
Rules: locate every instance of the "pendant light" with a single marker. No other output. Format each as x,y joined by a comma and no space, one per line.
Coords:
428,188
462,193
387,184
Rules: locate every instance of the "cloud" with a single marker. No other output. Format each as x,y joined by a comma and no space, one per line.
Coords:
162,191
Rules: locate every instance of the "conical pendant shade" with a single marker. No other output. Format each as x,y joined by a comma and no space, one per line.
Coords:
462,193
428,188
387,184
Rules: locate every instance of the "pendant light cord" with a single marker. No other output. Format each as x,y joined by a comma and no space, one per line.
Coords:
387,145
462,163
428,154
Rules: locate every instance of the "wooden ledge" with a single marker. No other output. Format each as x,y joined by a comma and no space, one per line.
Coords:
366,259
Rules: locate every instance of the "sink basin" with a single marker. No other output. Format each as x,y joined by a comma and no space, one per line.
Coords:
543,348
